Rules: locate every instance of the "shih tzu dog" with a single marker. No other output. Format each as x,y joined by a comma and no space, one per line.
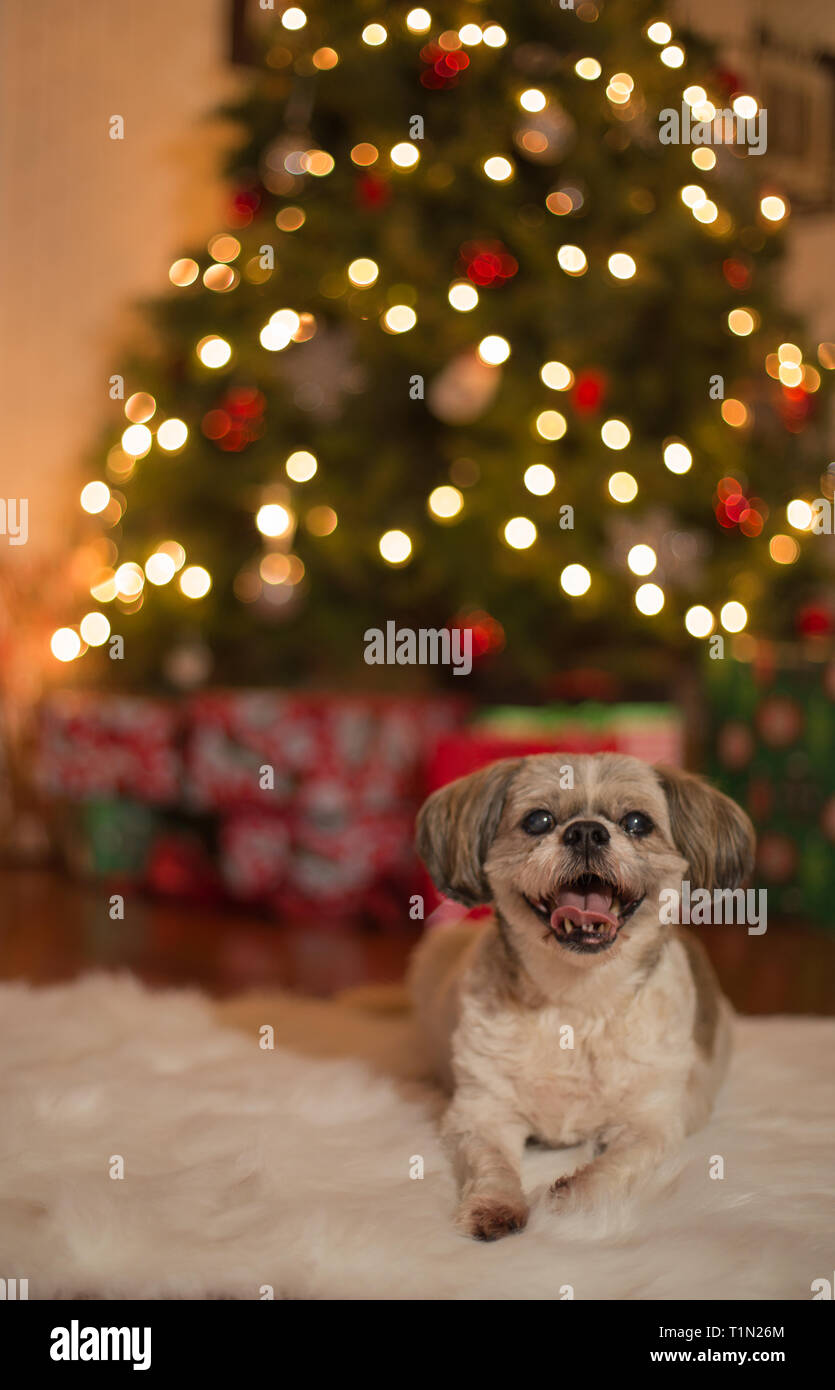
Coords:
574,1014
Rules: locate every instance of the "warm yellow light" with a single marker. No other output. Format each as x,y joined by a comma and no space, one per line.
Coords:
692,195
184,272
404,155
659,32
677,457
623,487
783,550
374,35
642,559
321,521
789,353
104,589
160,568
275,568
615,434
318,163
734,413
745,107
498,168
493,349
649,599
556,375
520,532
275,335
445,501
273,520
699,621
294,18
137,440
575,580
363,271
220,278
325,58
224,247
65,644
463,296
214,351
470,34
172,434
706,212
418,21
741,322
140,407
799,514
301,466
195,581
550,424
540,479
365,154
773,208
588,68
395,547
672,57
572,260
95,629
532,100
175,551
129,579
733,617
703,159
694,96
705,111
622,266
95,497
289,219
494,36
399,318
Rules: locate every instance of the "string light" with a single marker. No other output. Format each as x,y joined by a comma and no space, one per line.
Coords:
95,497
550,424
183,272
418,21
494,36
137,440
195,581
704,159
405,155
621,266
588,68
470,34
672,57
773,209
160,568
497,168
575,580
677,456
734,413
532,100
374,35
294,18
129,579
95,629
172,434
572,260
273,520
363,272
399,318
463,296
65,644
301,466
220,278
556,376
493,350
615,434
520,532
733,617
694,96
789,353
745,107
799,514
224,247
706,212
445,502
699,621
783,549
325,58
395,547
364,154
140,407
659,32
540,479
321,521
623,487
649,599
213,352
692,195
741,322
642,559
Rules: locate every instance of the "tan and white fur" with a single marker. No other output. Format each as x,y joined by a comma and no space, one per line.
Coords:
636,1000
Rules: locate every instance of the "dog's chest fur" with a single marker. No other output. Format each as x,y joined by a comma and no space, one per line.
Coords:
571,1073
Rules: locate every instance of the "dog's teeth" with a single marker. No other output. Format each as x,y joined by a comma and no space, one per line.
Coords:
568,926
616,904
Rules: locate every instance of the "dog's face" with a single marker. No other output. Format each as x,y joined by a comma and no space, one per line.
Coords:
574,850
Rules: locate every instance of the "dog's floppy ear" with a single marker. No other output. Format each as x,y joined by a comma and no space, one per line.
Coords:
714,834
456,826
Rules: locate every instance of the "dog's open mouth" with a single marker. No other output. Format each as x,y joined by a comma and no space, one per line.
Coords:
587,913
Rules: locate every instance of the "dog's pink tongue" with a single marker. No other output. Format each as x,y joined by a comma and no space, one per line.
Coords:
584,907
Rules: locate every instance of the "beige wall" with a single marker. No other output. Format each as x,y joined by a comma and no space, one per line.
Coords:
89,223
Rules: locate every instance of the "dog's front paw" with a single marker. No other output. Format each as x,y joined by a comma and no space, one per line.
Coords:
486,1217
570,1192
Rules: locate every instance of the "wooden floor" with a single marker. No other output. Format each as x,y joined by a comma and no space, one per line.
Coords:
52,928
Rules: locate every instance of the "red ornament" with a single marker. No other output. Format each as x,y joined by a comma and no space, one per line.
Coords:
487,635
737,273
442,66
794,407
487,263
815,620
589,391
372,191
245,203
237,421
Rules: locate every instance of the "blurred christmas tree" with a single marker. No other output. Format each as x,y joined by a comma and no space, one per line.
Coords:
475,346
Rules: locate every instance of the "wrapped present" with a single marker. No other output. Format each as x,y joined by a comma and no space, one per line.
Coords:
254,853
336,872
95,746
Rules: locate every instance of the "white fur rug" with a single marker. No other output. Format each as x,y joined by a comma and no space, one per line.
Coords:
247,1168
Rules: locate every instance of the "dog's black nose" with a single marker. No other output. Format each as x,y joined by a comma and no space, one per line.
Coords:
585,835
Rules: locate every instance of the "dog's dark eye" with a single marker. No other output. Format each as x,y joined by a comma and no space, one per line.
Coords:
636,823
538,823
